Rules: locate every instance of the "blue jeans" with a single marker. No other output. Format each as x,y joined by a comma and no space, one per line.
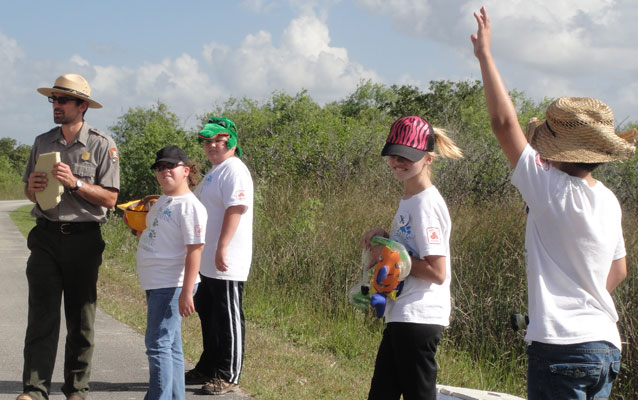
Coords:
580,371
164,345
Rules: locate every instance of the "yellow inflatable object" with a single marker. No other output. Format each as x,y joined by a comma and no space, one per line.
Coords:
135,211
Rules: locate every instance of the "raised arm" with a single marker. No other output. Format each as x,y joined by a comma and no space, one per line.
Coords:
502,113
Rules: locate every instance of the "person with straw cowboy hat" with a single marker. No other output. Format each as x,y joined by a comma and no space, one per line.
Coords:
574,239
66,243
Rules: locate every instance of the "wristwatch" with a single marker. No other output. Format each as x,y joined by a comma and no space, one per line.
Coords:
78,184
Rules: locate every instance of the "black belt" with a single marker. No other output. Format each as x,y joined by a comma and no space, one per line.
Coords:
66,228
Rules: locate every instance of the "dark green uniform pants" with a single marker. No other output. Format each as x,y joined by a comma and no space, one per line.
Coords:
64,261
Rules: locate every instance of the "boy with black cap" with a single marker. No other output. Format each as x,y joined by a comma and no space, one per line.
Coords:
574,241
168,259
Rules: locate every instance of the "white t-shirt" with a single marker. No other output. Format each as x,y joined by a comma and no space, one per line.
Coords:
171,224
572,236
228,184
422,224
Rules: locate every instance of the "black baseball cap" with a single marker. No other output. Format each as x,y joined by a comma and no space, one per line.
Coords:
170,154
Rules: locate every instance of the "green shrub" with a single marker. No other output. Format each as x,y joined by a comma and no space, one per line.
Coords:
13,161
139,134
11,185
321,183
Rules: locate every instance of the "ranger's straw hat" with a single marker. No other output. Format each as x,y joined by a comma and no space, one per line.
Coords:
73,85
580,130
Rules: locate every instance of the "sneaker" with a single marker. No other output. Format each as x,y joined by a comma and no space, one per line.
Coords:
218,386
194,377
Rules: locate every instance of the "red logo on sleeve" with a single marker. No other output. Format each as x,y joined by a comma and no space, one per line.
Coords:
198,230
541,162
433,235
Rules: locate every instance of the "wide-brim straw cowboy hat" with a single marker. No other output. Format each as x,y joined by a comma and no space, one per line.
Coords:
72,85
580,130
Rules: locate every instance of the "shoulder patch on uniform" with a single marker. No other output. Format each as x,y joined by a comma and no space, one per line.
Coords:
113,154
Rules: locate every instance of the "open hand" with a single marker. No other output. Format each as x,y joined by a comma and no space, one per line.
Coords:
481,39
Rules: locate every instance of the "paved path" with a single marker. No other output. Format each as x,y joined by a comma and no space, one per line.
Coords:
120,367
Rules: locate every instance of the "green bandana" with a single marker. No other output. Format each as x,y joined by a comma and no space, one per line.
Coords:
220,126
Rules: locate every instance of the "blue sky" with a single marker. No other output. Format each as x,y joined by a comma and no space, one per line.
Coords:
194,54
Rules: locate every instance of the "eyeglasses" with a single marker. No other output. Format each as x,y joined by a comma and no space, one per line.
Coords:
164,166
216,142
61,100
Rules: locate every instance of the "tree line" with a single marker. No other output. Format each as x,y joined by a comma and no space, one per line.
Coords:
293,137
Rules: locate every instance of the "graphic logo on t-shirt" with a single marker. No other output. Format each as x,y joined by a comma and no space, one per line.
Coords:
401,226
165,215
433,235
240,194
198,230
541,162
403,233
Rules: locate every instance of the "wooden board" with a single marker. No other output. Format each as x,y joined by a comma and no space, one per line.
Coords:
52,194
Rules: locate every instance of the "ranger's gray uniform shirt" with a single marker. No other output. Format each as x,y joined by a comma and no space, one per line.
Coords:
92,157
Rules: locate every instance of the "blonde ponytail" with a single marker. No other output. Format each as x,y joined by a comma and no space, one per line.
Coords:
444,145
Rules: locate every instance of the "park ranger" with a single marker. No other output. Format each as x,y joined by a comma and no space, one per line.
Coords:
66,243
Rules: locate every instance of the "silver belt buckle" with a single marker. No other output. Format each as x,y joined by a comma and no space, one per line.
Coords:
62,228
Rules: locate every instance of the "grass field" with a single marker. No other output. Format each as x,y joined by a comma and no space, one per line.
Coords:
303,339
293,349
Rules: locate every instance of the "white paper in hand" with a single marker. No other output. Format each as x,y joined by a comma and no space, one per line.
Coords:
51,195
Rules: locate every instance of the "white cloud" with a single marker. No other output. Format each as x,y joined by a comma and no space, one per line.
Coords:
304,60
178,82
560,35
552,47
10,52
79,60
12,58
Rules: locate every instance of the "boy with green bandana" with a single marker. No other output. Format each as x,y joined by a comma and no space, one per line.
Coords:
227,193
